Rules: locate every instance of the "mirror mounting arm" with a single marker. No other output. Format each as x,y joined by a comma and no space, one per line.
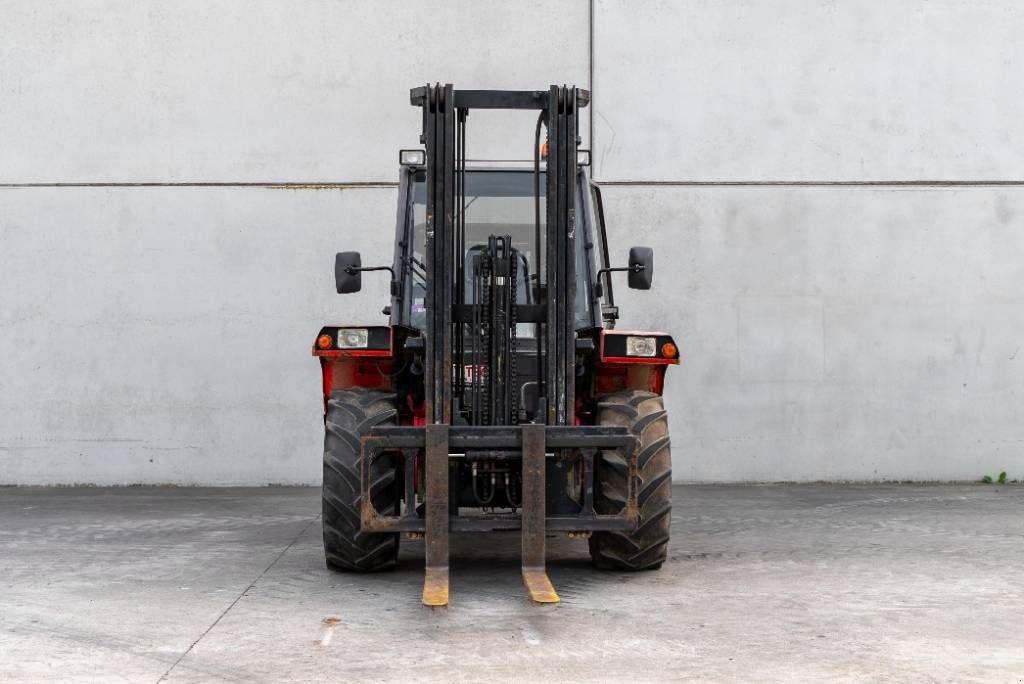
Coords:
635,268
352,270
348,273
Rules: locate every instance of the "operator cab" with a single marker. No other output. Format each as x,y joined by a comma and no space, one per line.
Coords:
498,202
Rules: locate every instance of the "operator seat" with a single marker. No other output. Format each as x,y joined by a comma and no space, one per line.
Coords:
522,275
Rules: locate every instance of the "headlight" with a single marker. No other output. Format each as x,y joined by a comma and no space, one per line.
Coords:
640,346
355,338
412,157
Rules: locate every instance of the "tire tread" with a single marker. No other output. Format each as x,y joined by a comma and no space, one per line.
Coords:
646,547
351,414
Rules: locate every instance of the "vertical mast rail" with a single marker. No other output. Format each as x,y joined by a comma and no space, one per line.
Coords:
553,388
431,238
561,253
448,255
439,121
569,180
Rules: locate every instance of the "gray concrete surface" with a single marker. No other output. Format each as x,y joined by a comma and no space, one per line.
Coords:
813,91
827,333
850,333
763,583
187,319
161,334
187,90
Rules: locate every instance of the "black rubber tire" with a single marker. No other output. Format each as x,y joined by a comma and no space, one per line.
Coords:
647,547
350,415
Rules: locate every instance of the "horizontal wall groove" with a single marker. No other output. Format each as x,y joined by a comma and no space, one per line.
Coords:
288,185
822,184
312,185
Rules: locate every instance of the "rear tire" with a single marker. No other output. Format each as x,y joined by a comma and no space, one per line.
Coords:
645,548
350,415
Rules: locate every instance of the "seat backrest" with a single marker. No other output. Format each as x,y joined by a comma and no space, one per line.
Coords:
522,275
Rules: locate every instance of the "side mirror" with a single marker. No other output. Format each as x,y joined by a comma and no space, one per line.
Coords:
348,274
641,268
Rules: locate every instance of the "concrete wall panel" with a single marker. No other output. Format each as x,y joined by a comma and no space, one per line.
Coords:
834,333
262,90
163,334
810,91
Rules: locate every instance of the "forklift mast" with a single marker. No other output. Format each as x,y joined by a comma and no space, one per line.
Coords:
477,368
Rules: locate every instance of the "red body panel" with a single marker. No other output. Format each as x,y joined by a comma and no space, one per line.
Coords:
613,373
375,369
345,368
343,373
619,376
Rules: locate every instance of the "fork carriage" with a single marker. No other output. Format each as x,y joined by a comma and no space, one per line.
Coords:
531,444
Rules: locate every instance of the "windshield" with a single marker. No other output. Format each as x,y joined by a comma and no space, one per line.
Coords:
497,203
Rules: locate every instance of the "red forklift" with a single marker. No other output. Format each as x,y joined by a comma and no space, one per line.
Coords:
500,396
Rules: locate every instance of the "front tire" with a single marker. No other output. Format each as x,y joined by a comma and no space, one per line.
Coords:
647,547
350,415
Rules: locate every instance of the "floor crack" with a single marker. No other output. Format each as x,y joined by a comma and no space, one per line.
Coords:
238,598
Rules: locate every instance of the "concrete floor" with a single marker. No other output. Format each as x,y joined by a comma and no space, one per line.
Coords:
808,582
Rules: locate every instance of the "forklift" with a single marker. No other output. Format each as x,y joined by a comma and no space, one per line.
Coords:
500,396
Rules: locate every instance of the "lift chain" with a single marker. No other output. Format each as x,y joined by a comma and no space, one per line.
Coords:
513,380
483,385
